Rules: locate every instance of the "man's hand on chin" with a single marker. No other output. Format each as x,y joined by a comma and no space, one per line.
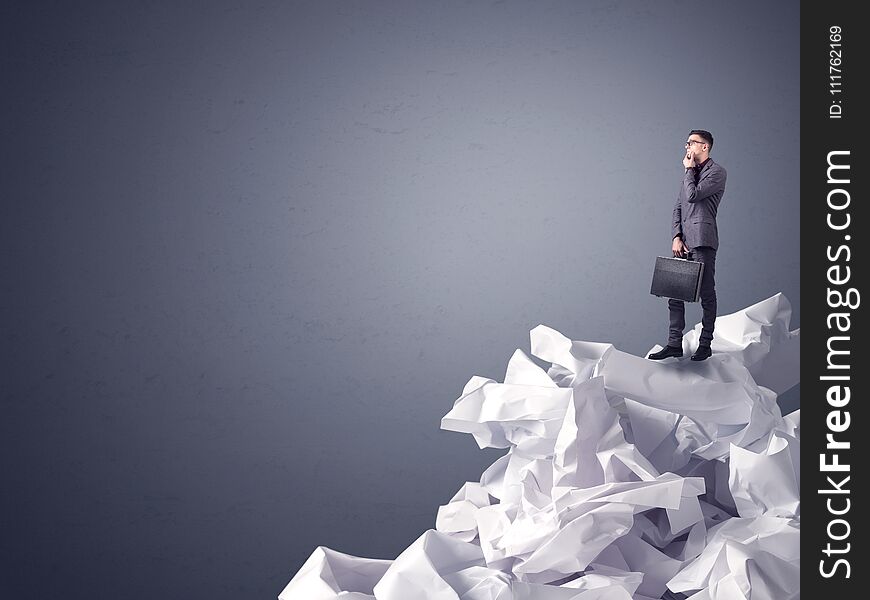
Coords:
689,160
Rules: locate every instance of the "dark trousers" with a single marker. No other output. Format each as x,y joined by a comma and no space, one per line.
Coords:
677,308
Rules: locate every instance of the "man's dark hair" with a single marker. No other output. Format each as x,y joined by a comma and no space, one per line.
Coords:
704,135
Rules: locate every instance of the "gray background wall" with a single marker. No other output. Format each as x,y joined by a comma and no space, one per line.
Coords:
251,253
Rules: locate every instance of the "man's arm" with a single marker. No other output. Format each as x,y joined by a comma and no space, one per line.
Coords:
712,183
677,223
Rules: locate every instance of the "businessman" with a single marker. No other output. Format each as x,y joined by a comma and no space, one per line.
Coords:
694,229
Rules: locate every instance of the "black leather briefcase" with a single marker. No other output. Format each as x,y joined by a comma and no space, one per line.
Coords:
678,278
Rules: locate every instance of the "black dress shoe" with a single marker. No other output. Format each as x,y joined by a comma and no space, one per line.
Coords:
702,353
666,352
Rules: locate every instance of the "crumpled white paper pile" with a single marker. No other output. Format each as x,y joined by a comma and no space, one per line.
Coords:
624,478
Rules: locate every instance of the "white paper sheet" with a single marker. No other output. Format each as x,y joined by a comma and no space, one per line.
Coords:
328,575
623,478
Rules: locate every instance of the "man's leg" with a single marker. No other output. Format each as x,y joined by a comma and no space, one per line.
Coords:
677,309
707,256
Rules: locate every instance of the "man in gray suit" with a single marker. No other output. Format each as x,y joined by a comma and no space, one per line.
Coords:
694,230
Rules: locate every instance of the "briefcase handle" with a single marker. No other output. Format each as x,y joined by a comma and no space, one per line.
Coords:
688,256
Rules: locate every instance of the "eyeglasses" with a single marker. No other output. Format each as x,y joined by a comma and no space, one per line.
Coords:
690,142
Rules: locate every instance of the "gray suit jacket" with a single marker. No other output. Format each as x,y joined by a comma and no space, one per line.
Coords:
697,205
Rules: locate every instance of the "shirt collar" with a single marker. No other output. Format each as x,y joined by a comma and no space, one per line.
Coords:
700,166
